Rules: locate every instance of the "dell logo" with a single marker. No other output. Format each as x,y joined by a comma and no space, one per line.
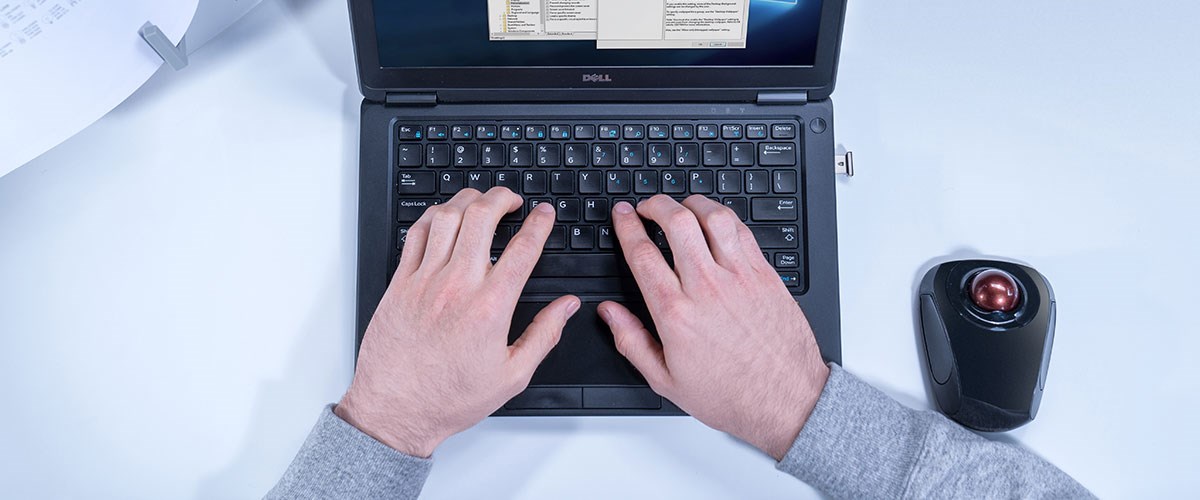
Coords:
594,78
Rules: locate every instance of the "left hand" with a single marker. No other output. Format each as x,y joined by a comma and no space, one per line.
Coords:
435,359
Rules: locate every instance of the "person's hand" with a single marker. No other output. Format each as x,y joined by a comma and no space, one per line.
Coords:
435,359
737,352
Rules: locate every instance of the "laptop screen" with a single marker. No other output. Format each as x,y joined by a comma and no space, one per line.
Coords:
596,33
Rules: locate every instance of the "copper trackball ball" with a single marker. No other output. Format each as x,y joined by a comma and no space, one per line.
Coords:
995,290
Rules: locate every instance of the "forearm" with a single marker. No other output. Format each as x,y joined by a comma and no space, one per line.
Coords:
860,443
339,461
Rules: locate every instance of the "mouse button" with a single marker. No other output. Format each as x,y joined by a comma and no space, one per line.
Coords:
1045,368
937,341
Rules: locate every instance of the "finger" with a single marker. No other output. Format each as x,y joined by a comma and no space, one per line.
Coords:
654,277
516,263
720,227
540,337
414,248
444,222
472,251
636,344
683,234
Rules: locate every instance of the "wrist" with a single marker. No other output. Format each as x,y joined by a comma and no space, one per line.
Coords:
794,412
390,428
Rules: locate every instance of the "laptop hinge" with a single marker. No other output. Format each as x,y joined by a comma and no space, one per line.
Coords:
783,97
410,99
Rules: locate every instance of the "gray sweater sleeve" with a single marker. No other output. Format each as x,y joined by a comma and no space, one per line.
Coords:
859,443
339,461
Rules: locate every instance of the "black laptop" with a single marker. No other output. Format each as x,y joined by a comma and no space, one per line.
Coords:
584,103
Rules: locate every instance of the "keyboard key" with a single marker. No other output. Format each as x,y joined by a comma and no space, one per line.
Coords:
534,202
687,154
791,279
658,132
451,182
783,131
618,181
714,154
785,181
741,154
645,182
729,182
660,155
604,155
701,182
569,210
610,132
486,132
591,182
437,155
409,133
557,239
491,155
683,132
509,179
575,155
673,182
606,238
510,132
560,132
416,183
756,131
535,183
401,237
595,210
731,131
501,237
634,132
632,155
481,181
461,132
787,260
707,131
466,155
777,154
774,209
520,155
535,132
409,155
410,210
583,238
585,132
758,182
776,236
549,155
739,207
438,132
562,182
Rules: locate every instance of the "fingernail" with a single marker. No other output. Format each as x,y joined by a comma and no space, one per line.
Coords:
544,208
605,315
572,307
624,208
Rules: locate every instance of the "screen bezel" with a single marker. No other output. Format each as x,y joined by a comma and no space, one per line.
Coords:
818,80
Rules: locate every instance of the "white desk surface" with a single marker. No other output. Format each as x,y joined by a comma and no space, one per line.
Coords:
177,281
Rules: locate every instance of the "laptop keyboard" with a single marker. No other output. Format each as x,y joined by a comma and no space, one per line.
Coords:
752,167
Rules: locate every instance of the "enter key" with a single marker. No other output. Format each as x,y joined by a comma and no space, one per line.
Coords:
774,209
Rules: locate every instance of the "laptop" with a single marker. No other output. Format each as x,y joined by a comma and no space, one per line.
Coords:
582,104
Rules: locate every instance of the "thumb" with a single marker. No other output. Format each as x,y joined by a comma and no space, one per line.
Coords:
541,336
636,344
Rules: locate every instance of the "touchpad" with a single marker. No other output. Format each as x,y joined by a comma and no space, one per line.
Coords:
586,355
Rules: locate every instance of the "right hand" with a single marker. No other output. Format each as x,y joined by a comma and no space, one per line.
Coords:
737,352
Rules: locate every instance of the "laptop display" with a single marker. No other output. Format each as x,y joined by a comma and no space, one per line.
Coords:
597,33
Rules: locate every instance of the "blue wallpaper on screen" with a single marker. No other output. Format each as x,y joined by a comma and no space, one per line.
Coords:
431,33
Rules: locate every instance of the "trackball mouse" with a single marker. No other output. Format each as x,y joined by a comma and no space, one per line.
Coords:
988,328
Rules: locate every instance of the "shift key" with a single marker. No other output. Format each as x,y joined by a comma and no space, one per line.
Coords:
777,236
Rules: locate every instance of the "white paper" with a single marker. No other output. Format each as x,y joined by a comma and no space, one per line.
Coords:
66,63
